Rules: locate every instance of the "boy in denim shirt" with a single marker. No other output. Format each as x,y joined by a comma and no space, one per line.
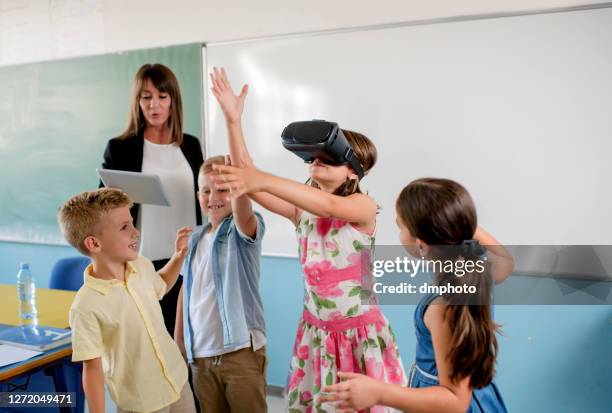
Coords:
220,324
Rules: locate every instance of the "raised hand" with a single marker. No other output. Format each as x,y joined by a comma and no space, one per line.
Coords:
238,181
231,104
181,243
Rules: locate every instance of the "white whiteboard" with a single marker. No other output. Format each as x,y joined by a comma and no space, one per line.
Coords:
518,109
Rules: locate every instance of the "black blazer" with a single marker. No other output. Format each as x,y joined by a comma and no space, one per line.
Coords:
126,155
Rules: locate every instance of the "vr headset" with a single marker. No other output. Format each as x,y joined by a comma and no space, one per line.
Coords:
319,139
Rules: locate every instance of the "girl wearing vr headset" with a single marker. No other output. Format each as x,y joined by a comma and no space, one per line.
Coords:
335,225
456,334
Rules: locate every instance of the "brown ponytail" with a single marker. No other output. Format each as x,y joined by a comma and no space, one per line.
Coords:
441,213
473,347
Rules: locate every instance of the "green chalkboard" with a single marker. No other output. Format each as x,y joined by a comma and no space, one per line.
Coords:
55,120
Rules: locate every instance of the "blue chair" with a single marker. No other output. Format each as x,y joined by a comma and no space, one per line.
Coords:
67,273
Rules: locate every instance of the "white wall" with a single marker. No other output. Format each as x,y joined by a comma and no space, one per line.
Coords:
35,30
516,109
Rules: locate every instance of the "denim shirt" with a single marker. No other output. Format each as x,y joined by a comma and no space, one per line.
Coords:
424,372
235,260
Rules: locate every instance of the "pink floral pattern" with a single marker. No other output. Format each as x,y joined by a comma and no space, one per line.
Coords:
332,253
325,224
303,249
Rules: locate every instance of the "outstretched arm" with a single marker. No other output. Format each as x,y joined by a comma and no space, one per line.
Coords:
232,106
358,392
358,209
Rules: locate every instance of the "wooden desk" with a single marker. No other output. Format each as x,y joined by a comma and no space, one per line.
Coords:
27,366
55,363
52,306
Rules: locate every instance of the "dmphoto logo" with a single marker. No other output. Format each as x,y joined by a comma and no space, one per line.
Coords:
541,275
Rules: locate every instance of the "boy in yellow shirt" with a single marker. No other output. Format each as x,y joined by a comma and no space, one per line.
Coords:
117,324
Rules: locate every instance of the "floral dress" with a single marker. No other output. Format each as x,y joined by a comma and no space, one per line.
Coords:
342,327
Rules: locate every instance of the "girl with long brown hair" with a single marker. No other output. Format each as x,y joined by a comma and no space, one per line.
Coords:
456,335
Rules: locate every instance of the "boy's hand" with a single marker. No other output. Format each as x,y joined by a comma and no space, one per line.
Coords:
238,181
231,104
181,243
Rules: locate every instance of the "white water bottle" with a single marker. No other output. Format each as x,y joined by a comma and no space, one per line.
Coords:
26,291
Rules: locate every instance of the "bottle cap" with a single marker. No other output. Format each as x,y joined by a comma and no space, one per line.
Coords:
24,266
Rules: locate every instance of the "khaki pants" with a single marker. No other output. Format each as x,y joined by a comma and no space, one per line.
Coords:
234,382
183,405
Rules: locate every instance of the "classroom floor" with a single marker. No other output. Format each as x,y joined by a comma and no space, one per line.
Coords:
275,404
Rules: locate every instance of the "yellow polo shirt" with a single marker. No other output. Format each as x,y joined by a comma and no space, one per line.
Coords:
122,322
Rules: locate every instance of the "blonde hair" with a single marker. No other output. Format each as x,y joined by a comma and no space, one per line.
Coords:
164,80
207,166
80,216
366,154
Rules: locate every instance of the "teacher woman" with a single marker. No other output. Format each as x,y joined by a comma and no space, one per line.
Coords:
154,143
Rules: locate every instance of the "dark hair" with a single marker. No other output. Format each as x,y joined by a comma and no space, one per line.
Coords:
366,153
441,213
164,80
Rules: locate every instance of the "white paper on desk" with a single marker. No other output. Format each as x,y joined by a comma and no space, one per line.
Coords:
11,354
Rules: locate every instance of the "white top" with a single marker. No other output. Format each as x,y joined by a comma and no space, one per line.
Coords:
203,311
158,224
